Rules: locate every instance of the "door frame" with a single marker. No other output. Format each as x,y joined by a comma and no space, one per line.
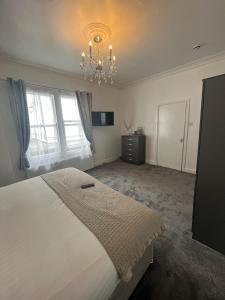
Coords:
187,102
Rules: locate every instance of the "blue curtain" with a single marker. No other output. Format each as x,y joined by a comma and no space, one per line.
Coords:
84,101
20,114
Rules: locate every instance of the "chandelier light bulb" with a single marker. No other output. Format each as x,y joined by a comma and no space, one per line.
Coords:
110,52
114,58
83,59
90,49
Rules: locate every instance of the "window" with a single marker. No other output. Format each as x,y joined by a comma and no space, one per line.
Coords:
56,129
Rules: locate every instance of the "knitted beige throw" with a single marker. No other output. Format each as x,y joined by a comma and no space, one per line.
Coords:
124,227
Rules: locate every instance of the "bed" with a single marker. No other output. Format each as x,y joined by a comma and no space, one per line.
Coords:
47,252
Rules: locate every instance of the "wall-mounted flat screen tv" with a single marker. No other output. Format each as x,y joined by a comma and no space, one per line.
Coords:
102,118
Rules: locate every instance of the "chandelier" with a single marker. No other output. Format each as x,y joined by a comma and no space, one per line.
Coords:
98,63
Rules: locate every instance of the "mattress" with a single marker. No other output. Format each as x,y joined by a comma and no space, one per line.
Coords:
45,251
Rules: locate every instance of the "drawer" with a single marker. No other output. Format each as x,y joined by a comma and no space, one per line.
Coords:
130,143
129,154
131,138
130,159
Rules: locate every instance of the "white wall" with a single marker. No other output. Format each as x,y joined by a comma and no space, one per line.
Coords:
141,100
6,169
105,98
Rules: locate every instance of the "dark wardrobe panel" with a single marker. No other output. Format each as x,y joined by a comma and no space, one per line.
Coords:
209,204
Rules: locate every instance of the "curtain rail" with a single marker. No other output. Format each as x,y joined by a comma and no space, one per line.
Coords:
28,83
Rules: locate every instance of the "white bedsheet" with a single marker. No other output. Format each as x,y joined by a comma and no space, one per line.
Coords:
45,251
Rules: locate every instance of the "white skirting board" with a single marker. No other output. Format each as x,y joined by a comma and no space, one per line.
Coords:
105,160
187,170
192,171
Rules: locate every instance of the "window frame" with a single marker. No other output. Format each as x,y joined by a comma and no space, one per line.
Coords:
65,152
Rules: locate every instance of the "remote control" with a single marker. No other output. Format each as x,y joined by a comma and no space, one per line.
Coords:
86,186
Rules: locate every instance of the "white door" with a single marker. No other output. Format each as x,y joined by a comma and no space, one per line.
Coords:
171,130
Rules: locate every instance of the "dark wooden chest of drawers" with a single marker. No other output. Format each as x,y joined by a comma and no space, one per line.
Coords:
133,148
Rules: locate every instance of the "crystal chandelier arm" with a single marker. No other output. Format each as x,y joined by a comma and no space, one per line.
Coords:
92,60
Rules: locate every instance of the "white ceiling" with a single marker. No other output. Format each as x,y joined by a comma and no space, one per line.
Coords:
148,36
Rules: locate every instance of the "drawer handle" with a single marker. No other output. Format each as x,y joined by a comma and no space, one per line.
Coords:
129,144
129,148
130,154
130,158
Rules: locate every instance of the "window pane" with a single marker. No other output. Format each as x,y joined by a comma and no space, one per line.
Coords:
69,108
41,109
73,137
48,109
44,138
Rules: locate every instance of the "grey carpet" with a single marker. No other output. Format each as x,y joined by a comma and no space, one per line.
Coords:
184,269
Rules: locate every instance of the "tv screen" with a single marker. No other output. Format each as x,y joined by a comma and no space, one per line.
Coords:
102,118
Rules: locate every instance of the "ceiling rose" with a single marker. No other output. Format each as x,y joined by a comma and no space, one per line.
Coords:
98,63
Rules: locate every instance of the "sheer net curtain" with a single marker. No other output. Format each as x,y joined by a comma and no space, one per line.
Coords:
56,130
